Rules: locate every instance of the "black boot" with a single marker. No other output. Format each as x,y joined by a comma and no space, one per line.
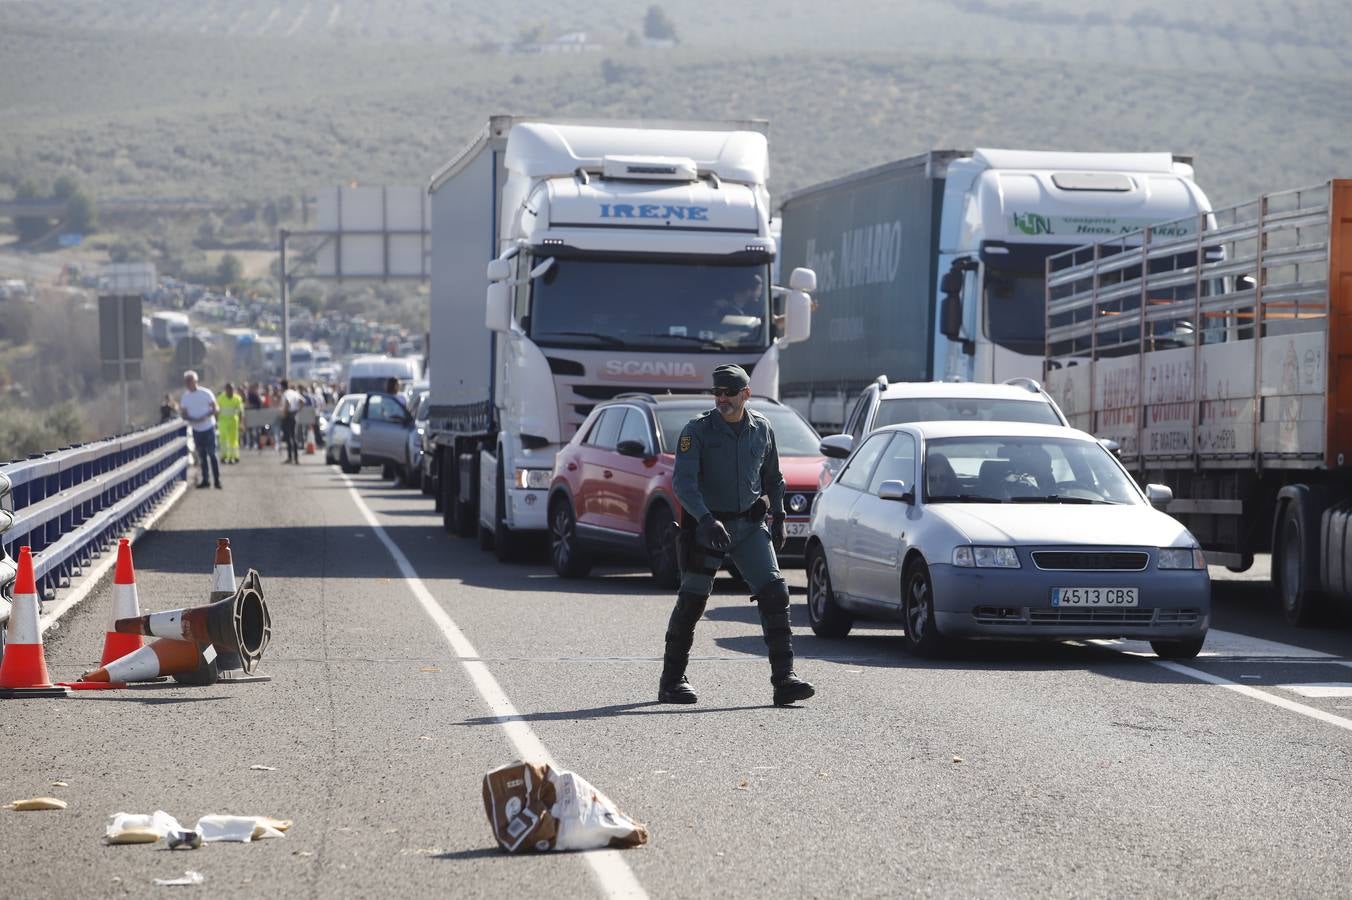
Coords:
673,687
773,603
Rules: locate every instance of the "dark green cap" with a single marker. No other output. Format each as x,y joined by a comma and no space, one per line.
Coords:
731,376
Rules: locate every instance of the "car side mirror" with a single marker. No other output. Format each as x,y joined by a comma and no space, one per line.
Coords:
1159,495
632,448
837,446
896,490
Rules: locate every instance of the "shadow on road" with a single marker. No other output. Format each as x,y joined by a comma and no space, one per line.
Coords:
646,708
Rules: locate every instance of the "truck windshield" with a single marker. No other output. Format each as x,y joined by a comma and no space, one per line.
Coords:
1016,310
676,306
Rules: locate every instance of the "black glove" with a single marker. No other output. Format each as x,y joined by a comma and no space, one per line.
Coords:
711,533
777,532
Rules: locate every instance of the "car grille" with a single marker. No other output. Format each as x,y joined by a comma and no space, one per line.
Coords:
1052,616
1090,560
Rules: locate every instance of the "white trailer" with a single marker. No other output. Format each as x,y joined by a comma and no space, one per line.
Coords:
1217,353
575,262
168,328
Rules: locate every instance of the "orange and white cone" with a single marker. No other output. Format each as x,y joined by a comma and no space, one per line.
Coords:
310,441
23,673
222,586
126,603
166,656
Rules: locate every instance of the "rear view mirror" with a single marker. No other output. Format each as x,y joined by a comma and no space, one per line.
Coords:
498,315
1159,495
632,448
499,270
804,280
896,490
797,317
837,446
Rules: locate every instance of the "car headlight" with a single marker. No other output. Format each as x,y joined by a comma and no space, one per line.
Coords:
798,504
535,479
1180,558
986,557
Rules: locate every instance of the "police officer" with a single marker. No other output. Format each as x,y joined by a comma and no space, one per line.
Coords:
725,459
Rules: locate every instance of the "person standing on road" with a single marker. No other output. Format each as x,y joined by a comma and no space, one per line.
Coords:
291,403
726,459
198,406
232,414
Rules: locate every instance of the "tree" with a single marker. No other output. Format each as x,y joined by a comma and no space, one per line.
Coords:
230,270
657,26
80,217
30,228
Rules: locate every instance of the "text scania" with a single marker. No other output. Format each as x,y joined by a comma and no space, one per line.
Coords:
648,370
654,211
869,255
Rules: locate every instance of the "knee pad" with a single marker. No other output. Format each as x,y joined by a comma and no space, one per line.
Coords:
689,608
773,597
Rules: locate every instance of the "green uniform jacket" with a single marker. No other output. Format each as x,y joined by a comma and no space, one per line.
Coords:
719,470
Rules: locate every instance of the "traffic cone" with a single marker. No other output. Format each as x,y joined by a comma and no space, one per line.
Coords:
241,622
163,657
126,604
23,673
310,441
222,572
222,586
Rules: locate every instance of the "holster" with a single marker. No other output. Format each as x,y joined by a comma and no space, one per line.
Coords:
685,543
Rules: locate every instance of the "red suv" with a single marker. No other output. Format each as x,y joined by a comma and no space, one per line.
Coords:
611,495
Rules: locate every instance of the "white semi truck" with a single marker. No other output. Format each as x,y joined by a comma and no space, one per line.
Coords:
931,267
575,262
1223,371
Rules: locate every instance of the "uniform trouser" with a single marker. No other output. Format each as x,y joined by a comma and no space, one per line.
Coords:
754,556
205,442
228,426
289,435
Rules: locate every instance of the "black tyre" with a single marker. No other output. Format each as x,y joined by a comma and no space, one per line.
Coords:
659,539
567,557
917,601
505,544
825,616
1178,649
328,456
1291,574
346,465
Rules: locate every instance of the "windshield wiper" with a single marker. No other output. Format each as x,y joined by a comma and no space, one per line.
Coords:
703,342
1058,498
962,498
607,339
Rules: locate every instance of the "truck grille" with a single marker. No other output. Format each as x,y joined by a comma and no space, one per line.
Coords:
1084,560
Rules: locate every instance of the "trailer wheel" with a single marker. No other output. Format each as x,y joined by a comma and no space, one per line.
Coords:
1292,575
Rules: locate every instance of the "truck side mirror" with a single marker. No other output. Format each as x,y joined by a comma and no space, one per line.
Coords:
499,270
797,316
950,310
498,316
802,279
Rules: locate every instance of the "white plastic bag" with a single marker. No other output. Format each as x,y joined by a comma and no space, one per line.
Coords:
588,819
534,807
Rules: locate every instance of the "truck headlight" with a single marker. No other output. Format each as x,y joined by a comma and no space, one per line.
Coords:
1180,558
985,557
534,479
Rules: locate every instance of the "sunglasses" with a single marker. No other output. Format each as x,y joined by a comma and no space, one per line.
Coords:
727,392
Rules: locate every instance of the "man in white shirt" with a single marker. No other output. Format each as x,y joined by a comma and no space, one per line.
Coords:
198,407
292,402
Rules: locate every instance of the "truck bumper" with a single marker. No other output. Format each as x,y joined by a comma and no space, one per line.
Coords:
526,509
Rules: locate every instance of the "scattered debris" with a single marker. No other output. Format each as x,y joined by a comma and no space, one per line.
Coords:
134,828
241,829
35,803
1258,677
744,786
301,853
187,878
534,807
957,759
60,784
262,768
184,840
430,669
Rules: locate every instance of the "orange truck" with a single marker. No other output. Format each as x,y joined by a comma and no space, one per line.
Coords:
1216,354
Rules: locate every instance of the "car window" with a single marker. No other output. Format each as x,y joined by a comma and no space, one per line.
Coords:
384,408
635,428
897,463
673,422
902,410
605,433
860,465
343,414
1019,469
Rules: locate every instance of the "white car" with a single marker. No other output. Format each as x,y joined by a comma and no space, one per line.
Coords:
1002,530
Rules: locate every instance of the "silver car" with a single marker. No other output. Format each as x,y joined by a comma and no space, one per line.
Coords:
1002,530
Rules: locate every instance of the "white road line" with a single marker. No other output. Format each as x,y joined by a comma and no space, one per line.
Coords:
1320,690
612,873
1284,703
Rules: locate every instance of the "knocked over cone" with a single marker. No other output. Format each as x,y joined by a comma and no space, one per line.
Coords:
240,623
534,807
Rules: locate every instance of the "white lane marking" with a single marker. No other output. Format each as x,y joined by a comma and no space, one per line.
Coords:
1221,644
1320,690
612,873
1255,693
95,573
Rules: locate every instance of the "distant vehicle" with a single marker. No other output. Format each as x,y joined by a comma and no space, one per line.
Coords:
340,434
412,472
13,289
932,267
302,360
612,495
1002,530
168,328
371,373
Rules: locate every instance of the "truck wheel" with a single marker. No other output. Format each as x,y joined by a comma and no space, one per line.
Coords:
1290,573
659,538
504,542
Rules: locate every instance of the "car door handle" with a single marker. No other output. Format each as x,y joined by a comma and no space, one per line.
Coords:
608,474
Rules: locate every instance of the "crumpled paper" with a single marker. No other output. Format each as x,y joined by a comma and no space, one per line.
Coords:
134,828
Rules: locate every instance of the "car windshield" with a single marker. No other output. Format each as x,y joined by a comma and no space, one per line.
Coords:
680,306
1010,469
901,410
793,435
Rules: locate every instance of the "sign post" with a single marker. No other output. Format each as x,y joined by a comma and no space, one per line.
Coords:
121,350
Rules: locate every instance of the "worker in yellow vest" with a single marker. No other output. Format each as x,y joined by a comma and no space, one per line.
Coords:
229,421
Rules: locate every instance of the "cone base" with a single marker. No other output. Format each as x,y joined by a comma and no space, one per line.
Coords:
50,690
93,685
25,669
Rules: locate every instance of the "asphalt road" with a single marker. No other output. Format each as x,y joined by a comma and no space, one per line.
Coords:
1008,770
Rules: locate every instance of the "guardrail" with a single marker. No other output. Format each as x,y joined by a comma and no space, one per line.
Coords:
71,505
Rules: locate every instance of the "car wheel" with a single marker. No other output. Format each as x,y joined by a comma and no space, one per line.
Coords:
1300,602
827,619
568,559
328,456
917,600
346,465
660,536
1178,649
504,542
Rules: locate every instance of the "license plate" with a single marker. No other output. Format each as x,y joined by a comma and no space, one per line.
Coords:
1094,596
795,529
